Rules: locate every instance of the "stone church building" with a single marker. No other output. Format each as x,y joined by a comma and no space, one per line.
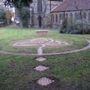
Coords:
72,10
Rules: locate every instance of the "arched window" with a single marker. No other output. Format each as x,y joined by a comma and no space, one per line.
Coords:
66,15
56,18
52,18
71,15
61,16
84,15
78,16
89,16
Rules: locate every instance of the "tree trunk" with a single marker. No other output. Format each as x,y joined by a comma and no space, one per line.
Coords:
18,16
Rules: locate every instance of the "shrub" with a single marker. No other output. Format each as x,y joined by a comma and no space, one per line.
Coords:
64,26
78,27
81,28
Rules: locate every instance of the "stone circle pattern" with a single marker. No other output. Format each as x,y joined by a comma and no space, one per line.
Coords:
44,42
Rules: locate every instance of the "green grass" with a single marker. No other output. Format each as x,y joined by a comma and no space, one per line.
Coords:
10,35
69,70
17,71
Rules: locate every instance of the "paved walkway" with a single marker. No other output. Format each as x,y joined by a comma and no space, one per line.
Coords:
47,54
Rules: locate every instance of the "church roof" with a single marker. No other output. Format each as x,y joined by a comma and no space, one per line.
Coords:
71,5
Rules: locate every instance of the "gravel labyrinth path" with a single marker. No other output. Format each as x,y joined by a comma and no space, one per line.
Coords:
44,54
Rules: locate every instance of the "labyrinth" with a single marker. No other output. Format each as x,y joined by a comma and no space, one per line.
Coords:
47,42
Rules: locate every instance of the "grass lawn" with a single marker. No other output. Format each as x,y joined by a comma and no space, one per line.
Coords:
70,72
10,35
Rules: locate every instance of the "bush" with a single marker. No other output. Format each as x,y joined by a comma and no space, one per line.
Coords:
64,26
81,28
76,28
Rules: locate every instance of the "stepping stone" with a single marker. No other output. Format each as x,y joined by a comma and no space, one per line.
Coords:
41,59
40,51
41,68
44,81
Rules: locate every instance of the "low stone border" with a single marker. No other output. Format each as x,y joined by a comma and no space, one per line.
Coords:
48,54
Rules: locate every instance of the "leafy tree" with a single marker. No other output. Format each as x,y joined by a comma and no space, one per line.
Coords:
2,16
19,5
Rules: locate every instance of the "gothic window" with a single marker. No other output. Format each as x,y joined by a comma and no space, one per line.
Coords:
56,18
89,16
61,16
52,18
66,15
78,15
71,15
84,15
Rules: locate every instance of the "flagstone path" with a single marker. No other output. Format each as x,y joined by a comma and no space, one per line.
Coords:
40,59
41,68
44,81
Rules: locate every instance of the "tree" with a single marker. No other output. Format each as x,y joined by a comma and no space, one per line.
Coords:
19,5
2,16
